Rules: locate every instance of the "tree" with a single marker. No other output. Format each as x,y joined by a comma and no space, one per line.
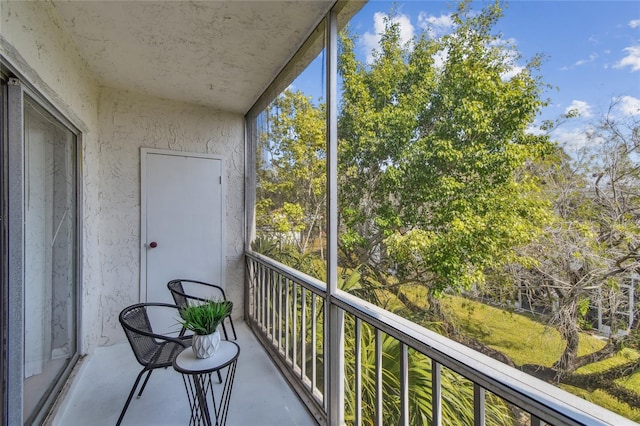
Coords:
432,189
592,247
291,171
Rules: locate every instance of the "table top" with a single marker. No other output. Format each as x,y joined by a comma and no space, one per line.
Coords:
187,363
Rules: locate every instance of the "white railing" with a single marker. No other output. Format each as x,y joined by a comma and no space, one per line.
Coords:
286,310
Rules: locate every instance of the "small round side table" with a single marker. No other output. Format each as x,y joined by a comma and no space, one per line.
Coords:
197,377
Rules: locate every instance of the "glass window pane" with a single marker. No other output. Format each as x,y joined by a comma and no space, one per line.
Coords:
50,252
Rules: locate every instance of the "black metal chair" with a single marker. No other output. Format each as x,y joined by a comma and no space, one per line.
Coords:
152,350
198,292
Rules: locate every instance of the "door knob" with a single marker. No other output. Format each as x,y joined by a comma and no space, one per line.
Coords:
153,244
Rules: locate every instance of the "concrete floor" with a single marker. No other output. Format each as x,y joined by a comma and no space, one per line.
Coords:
260,395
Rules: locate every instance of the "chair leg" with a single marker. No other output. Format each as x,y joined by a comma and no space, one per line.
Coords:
133,390
144,384
224,331
235,336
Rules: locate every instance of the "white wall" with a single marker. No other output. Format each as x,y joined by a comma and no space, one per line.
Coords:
114,125
127,122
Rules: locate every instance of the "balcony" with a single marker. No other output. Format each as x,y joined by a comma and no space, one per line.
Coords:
287,311
260,395
308,355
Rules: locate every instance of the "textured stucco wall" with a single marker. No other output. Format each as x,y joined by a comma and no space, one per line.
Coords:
114,125
127,122
32,41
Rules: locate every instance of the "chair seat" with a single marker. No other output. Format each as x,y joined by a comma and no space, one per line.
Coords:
165,352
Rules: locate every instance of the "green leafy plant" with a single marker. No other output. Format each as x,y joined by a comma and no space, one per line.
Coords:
205,318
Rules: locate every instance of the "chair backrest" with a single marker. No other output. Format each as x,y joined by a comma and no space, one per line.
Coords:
177,291
139,331
185,291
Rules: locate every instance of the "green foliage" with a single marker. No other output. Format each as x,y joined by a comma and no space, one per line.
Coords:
204,318
291,170
583,309
441,184
457,392
432,155
605,400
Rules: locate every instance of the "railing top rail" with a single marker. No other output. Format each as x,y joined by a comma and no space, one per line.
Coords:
301,278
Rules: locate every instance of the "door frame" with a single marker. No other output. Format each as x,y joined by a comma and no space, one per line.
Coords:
14,89
144,152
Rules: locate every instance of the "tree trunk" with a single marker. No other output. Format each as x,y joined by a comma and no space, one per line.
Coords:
567,361
566,319
609,350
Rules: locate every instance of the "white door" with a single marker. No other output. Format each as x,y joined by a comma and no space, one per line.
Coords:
182,222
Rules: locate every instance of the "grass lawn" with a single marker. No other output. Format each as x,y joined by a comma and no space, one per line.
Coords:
527,341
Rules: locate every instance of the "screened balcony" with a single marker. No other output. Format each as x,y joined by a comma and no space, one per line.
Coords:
310,353
282,379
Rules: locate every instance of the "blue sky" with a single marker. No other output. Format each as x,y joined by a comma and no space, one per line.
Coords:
591,49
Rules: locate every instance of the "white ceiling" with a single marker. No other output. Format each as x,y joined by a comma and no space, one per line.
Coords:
221,54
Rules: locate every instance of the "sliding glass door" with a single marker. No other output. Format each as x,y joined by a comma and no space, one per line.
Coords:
43,254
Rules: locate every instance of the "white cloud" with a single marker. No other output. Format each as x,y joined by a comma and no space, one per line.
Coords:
515,70
628,105
591,58
534,129
632,59
440,58
371,41
635,23
583,108
435,26
571,140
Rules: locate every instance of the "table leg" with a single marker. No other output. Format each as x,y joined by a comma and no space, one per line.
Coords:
199,387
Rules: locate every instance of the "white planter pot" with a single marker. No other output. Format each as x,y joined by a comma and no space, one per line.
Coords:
205,345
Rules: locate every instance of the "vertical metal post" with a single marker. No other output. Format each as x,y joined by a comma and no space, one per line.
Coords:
436,394
303,333
358,372
280,313
294,327
15,132
478,405
314,333
334,342
250,146
404,385
379,389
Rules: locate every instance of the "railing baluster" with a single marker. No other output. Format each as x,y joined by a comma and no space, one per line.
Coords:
267,303
286,319
274,308
263,278
280,312
478,405
436,393
294,329
303,334
379,396
535,421
404,385
314,353
358,371
263,283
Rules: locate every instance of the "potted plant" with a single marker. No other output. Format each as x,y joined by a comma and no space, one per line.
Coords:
203,320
